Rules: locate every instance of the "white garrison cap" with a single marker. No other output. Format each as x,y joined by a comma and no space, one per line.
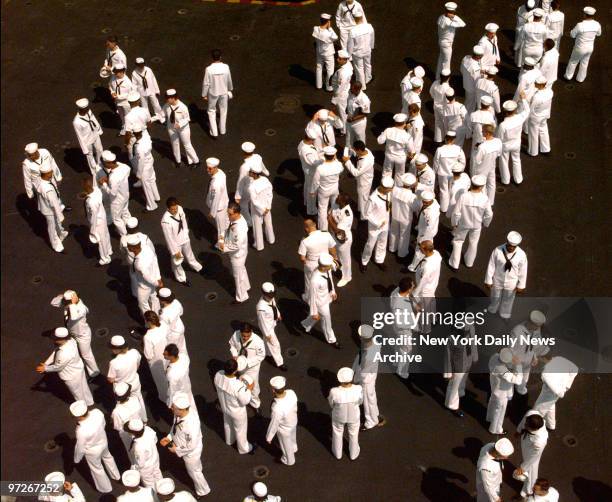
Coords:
505,355
181,400
56,476
31,148
589,11
248,379
529,61
416,82
325,16
61,333
427,195
164,293
537,317
399,118
131,478
387,182
541,80
450,6
260,489
504,447
538,12
47,168
509,105
78,408
486,100
531,4
120,388
365,331
445,72
132,222
267,287
212,162
278,382
119,67
492,27
242,363
133,96
492,70
323,114
457,167
256,168
514,238
345,375
408,179
326,259
171,92
248,147
330,150
478,50
139,60
82,103
136,424
68,294
133,240
450,92
479,180
343,54
164,486
118,340
419,71
421,158
108,156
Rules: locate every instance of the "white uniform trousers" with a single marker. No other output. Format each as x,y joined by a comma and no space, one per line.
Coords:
579,56
97,462
344,34
496,412
537,131
241,278
502,300
245,210
261,224
444,58
84,345
120,214
126,439
56,232
491,185
376,237
235,429
309,267
105,249
403,367
158,372
399,238
470,101
221,222
147,298
370,402
438,125
344,256
328,63
356,131
323,200
455,390
188,256
326,324
363,69
123,109
273,348
521,388
472,235
144,102
150,476
182,135
137,392
213,103
353,438
395,167
310,199
428,304
341,108
93,155
444,186
510,155
149,187
193,464
546,406
79,388
287,441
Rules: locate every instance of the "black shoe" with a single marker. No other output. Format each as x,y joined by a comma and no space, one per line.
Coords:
178,164
337,345
254,447
67,208
362,268
236,302
186,283
283,367
381,266
381,421
458,413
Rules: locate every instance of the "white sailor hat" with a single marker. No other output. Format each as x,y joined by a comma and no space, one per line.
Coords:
541,80
309,134
248,147
419,71
450,6
589,11
343,54
514,238
181,400
416,82
248,379
537,317
399,118
504,447
260,489
457,167
119,67
256,168
267,287
133,240
56,476
78,408
135,424
365,331
505,355
164,293
451,134
323,114
108,156
118,340
60,333
421,158
132,222
326,260
242,363
479,180
450,92
130,478
530,4
82,103
427,195
121,388
330,150
492,27
325,16
139,60
478,50
345,375
278,382
492,70
171,92
31,148
529,61
212,162
387,182
408,179
164,486
510,105
445,72
133,96
538,12
68,294
486,100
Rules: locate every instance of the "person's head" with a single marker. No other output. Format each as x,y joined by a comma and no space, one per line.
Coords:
427,198
426,247
309,225
112,42
386,185
31,151
342,200
151,319
477,52
60,336
342,57
534,422
406,285
212,165
417,84
171,352
166,297
79,410
413,110
529,63
118,345
109,159
555,4
345,376
137,133
233,211
246,332
173,204
171,97
457,169
329,153
215,55
268,291
358,18
133,244
536,320
541,487
180,404
278,384
326,262
325,20
356,88
255,171
230,367
139,64
82,106
445,75
420,161
122,391
491,30
503,449
492,72
359,147
513,239
541,82
119,71
538,14
549,44
510,108
449,9
47,174
488,130
450,137
450,95
165,489
308,138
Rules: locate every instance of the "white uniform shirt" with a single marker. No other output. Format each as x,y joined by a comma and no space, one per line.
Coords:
426,177
75,319
177,374
175,229
503,377
345,402
324,40
472,210
48,199
549,66
555,22
510,130
244,180
118,187
357,105
447,27
488,474
551,496
144,450
65,361
124,412
254,349
237,238
31,170
533,35
363,169
458,186
427,220
186,434
427,276
403,204
176,115
344,14
541,103
585,34
145,82
154,342
261,195
491,51
217,198
267,316
446,157
283,414
378,210
124,368
76,495
233,394
87,129
90,435
343,218
143,154
95,211
122,87
138,118
361,40
323,131
115,57
398,143
527,82
437,91
341,82
486,156
171,316
146,268
143,494
496,274
523,350
217,80
475,121
327,177
321,290
486,87
309,157
453,115
470,70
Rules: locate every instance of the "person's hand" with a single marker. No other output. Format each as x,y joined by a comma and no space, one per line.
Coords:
160,284
268,339
67,486
266,211
110,380
114,95
334,296
280,317
520,291
41,368
522,94
515,360
344,159
251,386
487,286
164,441
237,199
316,317
205,98
221,245
172,449
176,126
178,255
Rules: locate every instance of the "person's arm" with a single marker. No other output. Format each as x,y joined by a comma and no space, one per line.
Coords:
206,84
522,273
173,247
489,483
273,426
79,451
312,300
182,116
458,22
55,204
381,140
27,181
57,174
230,83
457,212
488,215
372,39
258,357
490,269
256,202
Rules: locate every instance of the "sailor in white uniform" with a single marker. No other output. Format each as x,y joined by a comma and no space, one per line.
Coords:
123,367
154,343
216,197
268,317
505,371
88,132
378,214
217,90
283,419
244,342
345,401
584,35
145,82
340,220
324,36
236,245
489,470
